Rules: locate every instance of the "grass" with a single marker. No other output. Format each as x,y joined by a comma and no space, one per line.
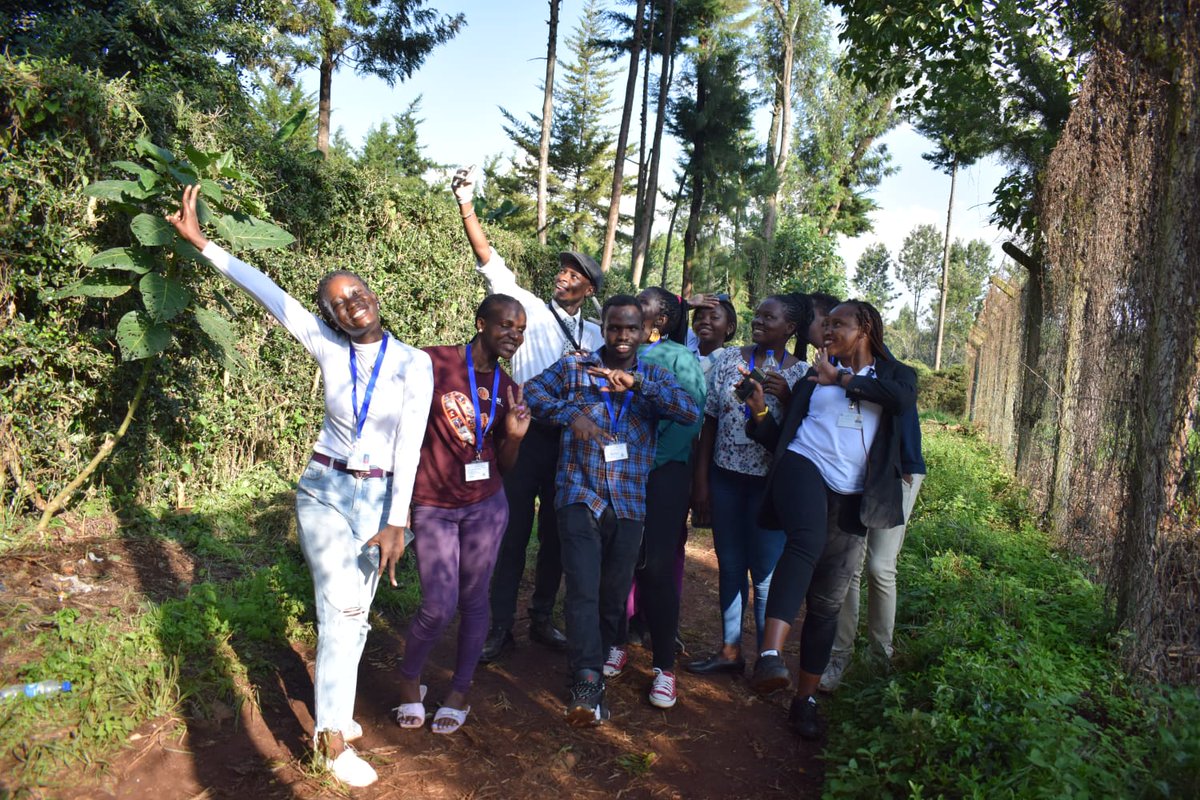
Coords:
1006,681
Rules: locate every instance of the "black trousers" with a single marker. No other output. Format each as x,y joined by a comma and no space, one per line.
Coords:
825,544
530,479
599,555
668,492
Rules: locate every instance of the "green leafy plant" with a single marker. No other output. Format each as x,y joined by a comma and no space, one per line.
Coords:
154,262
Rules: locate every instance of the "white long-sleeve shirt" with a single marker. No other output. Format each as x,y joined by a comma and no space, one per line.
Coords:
544,337
395,422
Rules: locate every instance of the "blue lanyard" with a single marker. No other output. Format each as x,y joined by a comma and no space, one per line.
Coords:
480,431
615,416
360,415
745,408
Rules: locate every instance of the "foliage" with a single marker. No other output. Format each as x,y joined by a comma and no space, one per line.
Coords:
943,391
396,151
1007,683
920,263
276,105
995,77
582,148
872,277
970,268
803,260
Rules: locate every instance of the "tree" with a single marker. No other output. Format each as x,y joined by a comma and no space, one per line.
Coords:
385,38
547,116
714,119
614,206
396,152
872,277
1010,68
644,222
278,105
805,260
920,256
581,149
970,268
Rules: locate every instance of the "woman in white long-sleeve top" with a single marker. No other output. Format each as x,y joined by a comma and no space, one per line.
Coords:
352,501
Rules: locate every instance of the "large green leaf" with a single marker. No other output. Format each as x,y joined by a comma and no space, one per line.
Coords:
125,258
147,178
200,160
102,285
289,128
141,337
185,250
163,297
222,334
149,148
115,190
252,234
152,231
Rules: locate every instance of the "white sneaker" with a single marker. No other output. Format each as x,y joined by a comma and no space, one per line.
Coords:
831,678
662,690
617,659
350,769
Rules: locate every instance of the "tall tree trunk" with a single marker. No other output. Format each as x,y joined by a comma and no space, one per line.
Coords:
323,103
671,228
640,200
614,205
691,234
777,154
547,118
641,244
941,324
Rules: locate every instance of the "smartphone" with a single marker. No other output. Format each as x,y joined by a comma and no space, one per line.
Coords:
743,389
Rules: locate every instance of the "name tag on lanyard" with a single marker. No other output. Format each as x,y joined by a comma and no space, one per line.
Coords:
618,451
850,419
478,471
359,458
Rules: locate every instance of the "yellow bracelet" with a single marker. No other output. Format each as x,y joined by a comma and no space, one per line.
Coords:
763,413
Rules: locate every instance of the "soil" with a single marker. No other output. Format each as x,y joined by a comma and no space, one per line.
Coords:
719,741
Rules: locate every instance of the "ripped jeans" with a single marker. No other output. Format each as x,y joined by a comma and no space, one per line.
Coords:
336,515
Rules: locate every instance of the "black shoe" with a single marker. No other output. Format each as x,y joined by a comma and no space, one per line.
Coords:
586,706
498,642
804,717
543,632
717,664
770,675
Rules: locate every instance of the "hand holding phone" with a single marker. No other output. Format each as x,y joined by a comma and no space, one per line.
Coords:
744,388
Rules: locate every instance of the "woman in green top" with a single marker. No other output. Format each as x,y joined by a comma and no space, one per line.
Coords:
668,490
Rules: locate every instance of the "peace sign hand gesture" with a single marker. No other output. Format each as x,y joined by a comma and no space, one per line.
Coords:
516,421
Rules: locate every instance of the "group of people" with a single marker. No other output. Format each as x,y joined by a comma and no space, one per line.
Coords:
610,435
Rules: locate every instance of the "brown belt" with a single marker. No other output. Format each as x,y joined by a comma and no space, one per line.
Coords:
340,466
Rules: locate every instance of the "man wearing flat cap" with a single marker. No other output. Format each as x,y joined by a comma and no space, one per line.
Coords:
553,329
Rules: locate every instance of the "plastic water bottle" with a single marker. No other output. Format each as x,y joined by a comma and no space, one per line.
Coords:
34,689
769,363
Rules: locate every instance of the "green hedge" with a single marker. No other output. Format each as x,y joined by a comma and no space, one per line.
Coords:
65,387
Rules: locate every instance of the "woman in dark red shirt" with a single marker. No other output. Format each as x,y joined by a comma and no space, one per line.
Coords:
476,424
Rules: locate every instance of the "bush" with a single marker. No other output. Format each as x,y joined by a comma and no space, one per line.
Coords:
1007,682
942,390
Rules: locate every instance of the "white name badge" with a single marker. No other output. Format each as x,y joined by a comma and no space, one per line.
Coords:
478,471
739,434
359,459
616,452
850,420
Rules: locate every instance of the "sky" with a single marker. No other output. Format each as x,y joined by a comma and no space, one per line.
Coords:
498,60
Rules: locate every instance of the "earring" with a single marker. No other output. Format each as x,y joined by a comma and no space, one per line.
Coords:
655,335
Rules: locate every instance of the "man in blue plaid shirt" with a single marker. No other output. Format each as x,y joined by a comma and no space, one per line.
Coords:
609,406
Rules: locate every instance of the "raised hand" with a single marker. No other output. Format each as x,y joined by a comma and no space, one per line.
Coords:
463,184
827,373
516,421
589,431
756,401
776,384
186,221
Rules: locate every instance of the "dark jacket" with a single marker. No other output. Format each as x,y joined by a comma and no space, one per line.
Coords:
895,388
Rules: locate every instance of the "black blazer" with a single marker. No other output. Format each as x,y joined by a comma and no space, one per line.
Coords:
895,388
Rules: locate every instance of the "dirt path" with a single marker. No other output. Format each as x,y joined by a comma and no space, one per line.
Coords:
718,742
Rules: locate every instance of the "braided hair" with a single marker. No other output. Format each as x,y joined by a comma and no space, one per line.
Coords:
798,310
323,307
868,318
670,306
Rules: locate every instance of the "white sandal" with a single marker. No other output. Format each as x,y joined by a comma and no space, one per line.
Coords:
411,711
455,715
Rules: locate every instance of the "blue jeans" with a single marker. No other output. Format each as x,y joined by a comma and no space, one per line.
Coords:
336,515
741,546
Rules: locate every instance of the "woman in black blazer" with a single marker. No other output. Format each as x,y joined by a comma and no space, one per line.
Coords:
834,474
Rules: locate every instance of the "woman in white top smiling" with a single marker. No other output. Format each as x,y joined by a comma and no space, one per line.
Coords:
835,472
353,499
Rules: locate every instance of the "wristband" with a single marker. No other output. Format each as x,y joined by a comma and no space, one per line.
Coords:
468,216
763,413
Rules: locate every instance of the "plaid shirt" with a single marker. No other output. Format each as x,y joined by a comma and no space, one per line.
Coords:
565,391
